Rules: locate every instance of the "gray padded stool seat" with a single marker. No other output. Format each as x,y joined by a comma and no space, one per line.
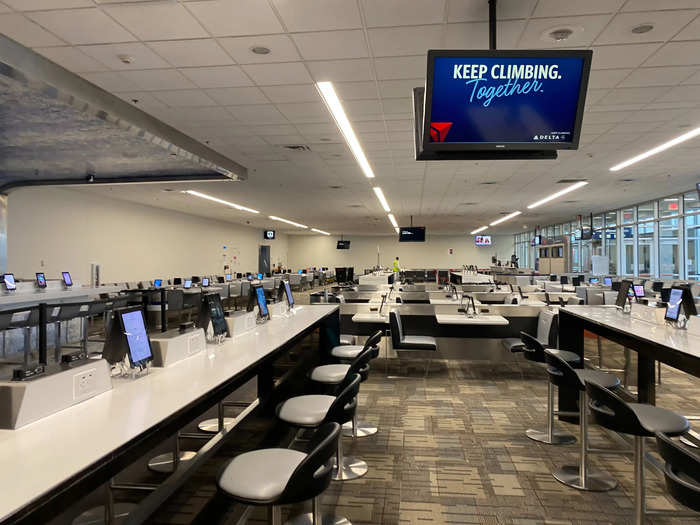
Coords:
329,374
352,351
581,476
639,420
305,411
278,476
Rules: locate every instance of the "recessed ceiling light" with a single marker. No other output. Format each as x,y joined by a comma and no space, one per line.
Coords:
488,183
335,187
260,50
559,35
125,59
642,28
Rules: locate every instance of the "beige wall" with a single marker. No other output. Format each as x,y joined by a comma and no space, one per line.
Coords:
307,251
67,230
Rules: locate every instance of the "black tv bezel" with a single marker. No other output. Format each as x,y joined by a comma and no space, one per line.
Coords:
434,147
402,228
274,235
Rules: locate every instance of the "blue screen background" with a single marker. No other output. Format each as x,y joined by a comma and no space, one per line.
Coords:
262,302
515,118
136,336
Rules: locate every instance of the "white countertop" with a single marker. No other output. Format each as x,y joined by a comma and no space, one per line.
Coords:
41,455
661,334
372,317
49,295
495,320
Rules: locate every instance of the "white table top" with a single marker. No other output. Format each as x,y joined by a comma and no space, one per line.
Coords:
372,317
661,334
39,456
447,300
496,320
50,295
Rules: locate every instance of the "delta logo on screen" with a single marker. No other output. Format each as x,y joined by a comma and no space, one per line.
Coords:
502,99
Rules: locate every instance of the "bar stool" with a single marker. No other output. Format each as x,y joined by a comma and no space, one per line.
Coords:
311,411
682,472
534,351
581,476
278,476
639,420
400,341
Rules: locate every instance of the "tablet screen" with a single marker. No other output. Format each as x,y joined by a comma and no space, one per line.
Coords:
158,283
639,290
288,292
136,337
607,281
228,276
262,301
188,283
674,304
66,279
593,280
9,280
205,282
41,280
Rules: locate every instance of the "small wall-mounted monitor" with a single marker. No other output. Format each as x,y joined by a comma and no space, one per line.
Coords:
188,284
412,234
482,240
67,281
205,282
607,281
158,283
269,235
343,245
40,280
8,280
638,290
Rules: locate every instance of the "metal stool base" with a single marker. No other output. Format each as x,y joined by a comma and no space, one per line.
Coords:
164,462
558,438
212,425
324,519
96,515
352,468
363,429
597,480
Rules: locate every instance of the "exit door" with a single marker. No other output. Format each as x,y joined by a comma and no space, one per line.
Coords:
264,260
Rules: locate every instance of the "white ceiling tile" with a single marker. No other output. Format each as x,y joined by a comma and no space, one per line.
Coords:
281,140
192,53
236,17
41,5
158,21
331,45
478,11
594,95
111,81
366,138
653,5
258,114
184,98
82,26
398,88
141,56
142,99
305,112
399,41
688,93
691,31
475,35
586,28
202,114
266,131
341,70
312,15
4,9
217,77
666,24
278,74
389,68
623,56
287,94
642,95
369,126
550,8
635,128
654,115
324,128
158,79
71,58
281,48
694,79
400,125
658,76
676,54
26,32
361,107
398,107
385,13
236,96
355,90
607,78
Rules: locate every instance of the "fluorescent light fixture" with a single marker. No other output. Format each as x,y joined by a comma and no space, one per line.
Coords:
220,201
396,230
505,218
558,194
478,230
319,231
336,108
658,149
392,219
382,199
288,222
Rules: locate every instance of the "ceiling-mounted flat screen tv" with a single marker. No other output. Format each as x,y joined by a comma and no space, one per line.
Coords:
343,245
482,240
501,101
412,234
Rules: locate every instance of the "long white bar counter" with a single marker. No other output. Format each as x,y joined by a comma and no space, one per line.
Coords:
43,455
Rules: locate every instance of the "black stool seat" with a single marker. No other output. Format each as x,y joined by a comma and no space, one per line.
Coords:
682,472
307,411
260,475
604,379
569,357
655,419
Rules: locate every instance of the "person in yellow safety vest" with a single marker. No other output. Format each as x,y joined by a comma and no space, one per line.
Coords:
397,267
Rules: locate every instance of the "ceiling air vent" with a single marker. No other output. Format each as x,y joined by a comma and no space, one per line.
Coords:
570,181
297,147
488,183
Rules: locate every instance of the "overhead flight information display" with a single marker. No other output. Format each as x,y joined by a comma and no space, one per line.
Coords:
505,98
